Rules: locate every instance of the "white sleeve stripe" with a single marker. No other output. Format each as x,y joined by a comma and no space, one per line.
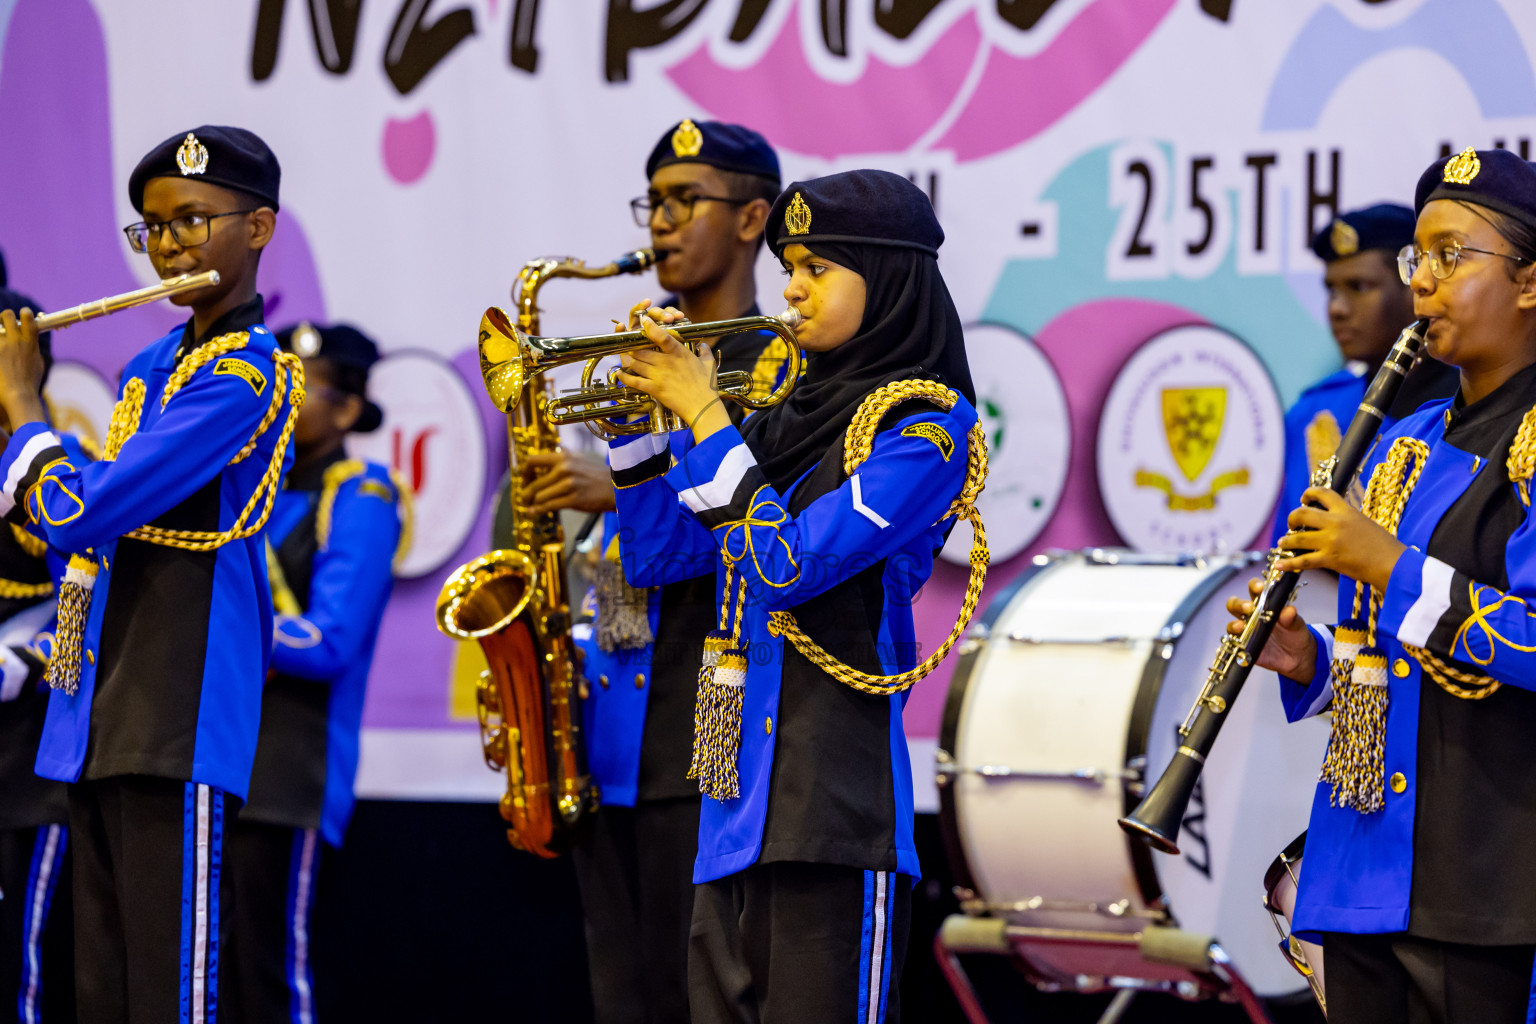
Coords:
22,466
719,491
1434,599
628,456
863,509
1325,637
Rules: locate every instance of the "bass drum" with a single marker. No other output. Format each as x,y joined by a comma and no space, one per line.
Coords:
1066,700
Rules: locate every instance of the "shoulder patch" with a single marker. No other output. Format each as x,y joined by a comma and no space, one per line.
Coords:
242,369
932,432
375,489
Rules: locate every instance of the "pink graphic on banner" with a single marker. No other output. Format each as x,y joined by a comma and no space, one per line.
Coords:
409,146
1020,97
890,108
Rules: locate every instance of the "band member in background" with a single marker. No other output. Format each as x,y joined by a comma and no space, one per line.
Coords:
1424,823
165,624
806,857
36,933
1368,306
710,188
335,533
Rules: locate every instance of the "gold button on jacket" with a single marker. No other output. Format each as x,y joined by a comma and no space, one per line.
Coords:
1400,668
1398,782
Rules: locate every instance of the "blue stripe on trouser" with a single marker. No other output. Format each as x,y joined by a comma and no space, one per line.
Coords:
42,878
301,901
202,844
875,948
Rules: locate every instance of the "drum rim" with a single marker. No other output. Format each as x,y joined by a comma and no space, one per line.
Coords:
1290,855
1139,727
954,701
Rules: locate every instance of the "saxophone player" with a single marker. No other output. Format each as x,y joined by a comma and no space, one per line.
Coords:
710,186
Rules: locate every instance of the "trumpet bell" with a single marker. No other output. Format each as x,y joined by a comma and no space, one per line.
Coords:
501,358
486,595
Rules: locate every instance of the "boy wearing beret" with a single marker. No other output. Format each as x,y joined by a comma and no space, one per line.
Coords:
335,532
165,625
710,187
1368,307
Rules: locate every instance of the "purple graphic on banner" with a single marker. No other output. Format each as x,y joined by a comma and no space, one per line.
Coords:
60,232
995,100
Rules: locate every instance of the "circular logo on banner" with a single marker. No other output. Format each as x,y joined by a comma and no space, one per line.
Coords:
1023,412
80,402
1191,444
433,437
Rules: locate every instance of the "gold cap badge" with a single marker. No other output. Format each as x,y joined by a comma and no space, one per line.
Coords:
797,216
306,340
192,157
1344,239
1463,168
687,140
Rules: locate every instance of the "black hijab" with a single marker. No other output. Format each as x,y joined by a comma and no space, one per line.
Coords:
910,329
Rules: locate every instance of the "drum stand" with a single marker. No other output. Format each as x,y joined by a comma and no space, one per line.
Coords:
1163,959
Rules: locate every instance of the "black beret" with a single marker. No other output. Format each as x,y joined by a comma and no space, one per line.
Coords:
231,157
863,207
1495,178
730,147
1383,226
16,302
343,346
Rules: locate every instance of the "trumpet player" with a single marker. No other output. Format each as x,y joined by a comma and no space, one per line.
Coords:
336,528
165,627
710,188
1424,819
806,856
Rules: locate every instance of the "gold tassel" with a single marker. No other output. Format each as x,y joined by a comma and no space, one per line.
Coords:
74,610
1356,756
717,707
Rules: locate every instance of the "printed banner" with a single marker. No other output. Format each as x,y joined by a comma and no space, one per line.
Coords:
1120,181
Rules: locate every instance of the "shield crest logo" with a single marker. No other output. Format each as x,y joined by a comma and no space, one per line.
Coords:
1192,419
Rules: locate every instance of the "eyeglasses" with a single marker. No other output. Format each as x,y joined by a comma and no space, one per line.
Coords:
675,210
1442,259
193,229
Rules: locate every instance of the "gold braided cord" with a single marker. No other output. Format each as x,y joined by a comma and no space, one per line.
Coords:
407,516
11,590
288,381
339,473
30,543
336,474
1521,462
1384,502
857,444
125,419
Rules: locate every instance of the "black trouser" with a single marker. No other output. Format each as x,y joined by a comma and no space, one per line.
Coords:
635,870
269,978
149,893
1399,979
796,943
37,975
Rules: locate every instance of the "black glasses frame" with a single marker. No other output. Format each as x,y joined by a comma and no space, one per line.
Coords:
644,206
138,234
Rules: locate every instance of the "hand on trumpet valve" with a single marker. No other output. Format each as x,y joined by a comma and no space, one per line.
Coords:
21,368
553,480
675,375
1291,649
1327,532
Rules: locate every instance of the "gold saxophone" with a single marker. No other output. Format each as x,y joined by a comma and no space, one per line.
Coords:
515,603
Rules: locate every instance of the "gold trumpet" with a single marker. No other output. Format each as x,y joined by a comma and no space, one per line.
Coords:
509,358
116,303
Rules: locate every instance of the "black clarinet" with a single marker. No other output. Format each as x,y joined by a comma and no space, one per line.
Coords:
1157,818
